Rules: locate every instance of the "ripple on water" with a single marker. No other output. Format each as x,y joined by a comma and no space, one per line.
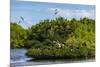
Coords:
18,58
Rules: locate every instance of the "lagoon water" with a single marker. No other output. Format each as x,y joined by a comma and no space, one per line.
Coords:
18,58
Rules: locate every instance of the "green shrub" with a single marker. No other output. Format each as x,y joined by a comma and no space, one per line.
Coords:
57,38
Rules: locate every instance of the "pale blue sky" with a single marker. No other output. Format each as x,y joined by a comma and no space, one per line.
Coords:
33,12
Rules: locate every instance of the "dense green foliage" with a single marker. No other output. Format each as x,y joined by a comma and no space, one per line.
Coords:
47,32
18,36
59,38
64,52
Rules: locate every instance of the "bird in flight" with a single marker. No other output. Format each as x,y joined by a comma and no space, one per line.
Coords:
56,11
22,20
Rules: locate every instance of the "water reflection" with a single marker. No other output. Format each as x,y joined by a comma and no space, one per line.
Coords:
18,58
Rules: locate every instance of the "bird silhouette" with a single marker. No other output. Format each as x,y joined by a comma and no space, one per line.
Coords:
22,18
56,11
22,21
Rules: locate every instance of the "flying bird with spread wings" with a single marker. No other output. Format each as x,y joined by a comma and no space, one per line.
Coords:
22,20
56,11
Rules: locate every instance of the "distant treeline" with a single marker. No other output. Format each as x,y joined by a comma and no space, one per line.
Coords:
56,38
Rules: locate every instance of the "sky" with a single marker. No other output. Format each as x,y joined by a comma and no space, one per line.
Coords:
33,12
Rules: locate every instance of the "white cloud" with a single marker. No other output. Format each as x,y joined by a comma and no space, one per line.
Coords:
69,13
